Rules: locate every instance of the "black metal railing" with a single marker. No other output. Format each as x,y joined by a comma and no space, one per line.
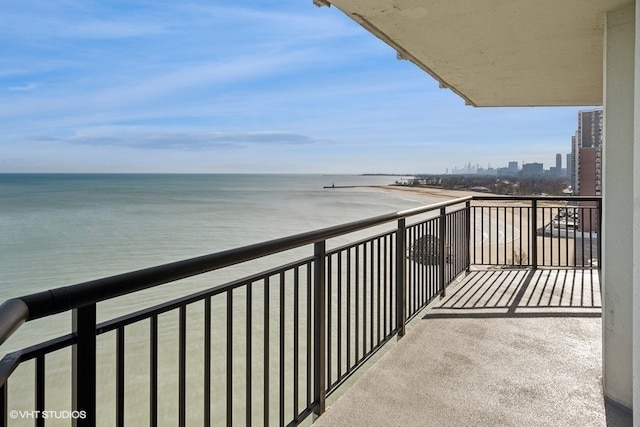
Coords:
536,231
269,348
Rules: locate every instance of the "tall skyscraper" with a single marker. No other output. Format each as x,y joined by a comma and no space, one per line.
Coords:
587,157
558,165
586,150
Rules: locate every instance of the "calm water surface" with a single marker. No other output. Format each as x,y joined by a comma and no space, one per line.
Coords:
58,230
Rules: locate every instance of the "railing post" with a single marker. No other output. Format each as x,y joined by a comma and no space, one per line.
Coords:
401,277
84,365
467,241
534,233
319,328
4,410
442,247
599,202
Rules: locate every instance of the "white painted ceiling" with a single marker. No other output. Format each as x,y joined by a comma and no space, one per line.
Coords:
497,52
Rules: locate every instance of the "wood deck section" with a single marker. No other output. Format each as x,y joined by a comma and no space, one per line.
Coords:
504,348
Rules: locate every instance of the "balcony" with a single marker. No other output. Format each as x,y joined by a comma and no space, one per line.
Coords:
496,301
504,347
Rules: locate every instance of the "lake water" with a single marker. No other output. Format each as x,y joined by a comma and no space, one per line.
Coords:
62,229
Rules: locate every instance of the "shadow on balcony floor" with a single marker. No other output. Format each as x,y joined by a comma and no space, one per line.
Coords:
523,293
504,348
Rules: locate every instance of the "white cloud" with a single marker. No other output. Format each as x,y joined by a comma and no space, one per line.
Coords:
23,88
283,84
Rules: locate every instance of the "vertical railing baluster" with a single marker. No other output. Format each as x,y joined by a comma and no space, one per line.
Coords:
329,303
40,392
442,246
357,307
83,377
427,257
120,382
497,235
182,366
463,241
4,410
282,354
559,240
472,228
319,341
266,344
590,237
384,287
482,235
371,295
424,260
249,356
599,236
521,234
533,233
413,285
348,310
379,277
296,340
364,298
338,323
153,371
544,246
457,238
229,408
513,236
309,333
392,275
401,264
207,361
436,252
490,235
575,229
581,225
467,237
413,269
504,233
451,223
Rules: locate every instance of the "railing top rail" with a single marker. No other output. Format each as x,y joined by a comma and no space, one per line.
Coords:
16,311
540,198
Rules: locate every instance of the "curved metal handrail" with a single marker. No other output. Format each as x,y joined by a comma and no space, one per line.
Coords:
14,312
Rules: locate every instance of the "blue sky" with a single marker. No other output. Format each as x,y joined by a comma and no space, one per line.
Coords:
236,86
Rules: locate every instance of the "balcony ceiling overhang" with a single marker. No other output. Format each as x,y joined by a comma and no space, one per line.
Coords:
498,52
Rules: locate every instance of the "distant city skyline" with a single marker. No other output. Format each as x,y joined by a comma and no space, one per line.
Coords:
236,86
512,168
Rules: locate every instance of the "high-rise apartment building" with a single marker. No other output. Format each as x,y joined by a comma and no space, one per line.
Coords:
586,154
586,149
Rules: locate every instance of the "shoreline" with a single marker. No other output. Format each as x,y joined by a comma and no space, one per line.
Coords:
441,194
438,194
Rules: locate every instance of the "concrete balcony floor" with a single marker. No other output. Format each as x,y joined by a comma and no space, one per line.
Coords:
503,348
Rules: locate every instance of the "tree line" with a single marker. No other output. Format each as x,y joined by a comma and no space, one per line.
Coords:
511,185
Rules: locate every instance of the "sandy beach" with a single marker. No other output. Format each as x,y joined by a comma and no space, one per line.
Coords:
512,244
439,194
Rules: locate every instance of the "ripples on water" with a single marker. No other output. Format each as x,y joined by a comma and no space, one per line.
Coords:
58,230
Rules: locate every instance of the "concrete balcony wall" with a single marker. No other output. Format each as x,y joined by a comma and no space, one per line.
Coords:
619,227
